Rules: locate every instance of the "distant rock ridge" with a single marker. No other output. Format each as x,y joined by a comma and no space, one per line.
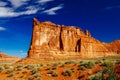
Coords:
51,41
6,58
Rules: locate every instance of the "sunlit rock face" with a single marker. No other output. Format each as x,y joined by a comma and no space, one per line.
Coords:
51,41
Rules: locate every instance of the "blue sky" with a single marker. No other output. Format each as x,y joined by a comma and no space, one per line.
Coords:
100,17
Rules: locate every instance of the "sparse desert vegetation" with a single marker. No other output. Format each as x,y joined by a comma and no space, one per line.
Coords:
93,69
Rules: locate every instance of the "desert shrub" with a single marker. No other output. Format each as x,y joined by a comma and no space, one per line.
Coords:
21,76
41,65
1,68
9,71
69,62
39,78
95,77
59,62
34,71
63,65
55,66
97,62
50,79
104,71
54,74
117,62
107,63
67,73
38,69
10,75
24,72
81,76
6,67
48,68
88,64
19,66
81,61
36,75
29,66
30,78
112,76
103,59
81,68
72,69
47,64
50,71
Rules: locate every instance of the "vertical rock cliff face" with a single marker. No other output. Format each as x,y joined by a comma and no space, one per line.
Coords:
51,41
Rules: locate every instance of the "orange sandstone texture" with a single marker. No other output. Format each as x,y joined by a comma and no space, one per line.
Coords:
51,41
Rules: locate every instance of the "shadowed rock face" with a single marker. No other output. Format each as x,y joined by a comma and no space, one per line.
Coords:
51,41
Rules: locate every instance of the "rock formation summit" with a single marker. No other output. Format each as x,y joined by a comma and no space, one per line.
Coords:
51,41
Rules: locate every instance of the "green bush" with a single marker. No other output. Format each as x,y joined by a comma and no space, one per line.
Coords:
55,64
31,78
1,68
54,74
10,75
36,75
50,71
104,71
41,65
81,68
29,66
81,62
67,73
34,71
54,67
88,64
95,77
81,76
19,66
69,62
39,78
97,62
72,69
63,65
107,63
20,76
6,67
24,72
9,71
117,61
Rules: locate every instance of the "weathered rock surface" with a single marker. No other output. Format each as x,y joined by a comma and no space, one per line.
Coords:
6,58
51,41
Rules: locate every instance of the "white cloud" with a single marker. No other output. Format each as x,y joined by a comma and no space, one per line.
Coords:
3,3
22,7
9,12
2,29
18,3
22,53
44,1
53,10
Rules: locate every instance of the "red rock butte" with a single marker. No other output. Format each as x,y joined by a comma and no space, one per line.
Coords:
51,41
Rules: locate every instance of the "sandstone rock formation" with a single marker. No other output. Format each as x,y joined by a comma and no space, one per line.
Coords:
6,58
51,41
